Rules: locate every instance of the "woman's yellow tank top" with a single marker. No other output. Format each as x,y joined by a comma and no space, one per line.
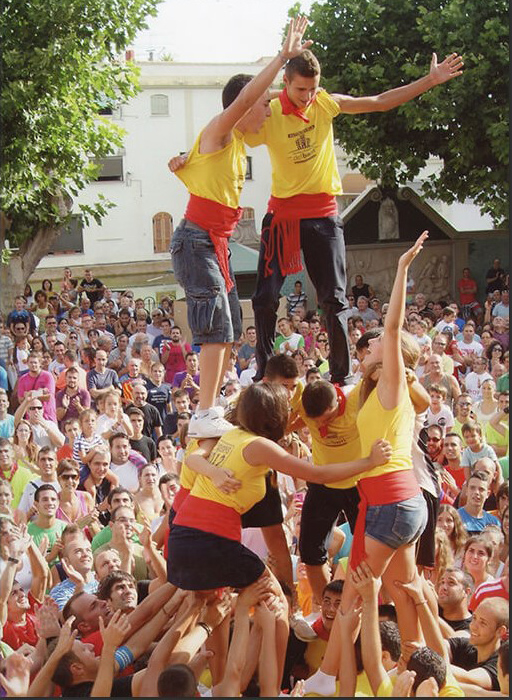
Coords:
395,425
228,454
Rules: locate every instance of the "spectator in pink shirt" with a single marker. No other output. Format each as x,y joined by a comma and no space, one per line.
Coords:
40,379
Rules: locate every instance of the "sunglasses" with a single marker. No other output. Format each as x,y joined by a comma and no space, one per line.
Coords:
35,408
69,477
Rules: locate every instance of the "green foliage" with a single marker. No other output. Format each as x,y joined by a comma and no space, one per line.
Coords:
60,62
369,46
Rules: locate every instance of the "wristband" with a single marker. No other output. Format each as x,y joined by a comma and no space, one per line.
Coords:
124,657
13,560
206,628
283,59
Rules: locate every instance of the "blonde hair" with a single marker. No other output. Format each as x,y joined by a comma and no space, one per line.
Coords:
410,354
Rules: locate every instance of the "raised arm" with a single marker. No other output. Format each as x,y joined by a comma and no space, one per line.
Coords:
368,588
392,382
218,132
439,73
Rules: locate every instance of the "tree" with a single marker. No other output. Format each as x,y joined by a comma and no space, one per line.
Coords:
60,64
368,46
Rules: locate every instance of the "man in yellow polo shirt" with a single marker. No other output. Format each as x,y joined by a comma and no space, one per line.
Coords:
302,211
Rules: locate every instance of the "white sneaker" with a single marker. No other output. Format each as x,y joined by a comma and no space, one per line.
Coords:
208,425
302,629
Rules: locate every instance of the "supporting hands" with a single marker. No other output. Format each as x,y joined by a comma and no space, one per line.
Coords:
380,453
365,583
450,68
224,480
116,631
293,44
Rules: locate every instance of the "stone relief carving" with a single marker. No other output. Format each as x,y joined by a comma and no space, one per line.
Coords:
430,273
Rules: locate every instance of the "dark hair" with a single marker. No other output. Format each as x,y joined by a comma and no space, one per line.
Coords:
312,370
233,88
335,586
363,342
44,487
305,64
105,588
426,663
503,657
281,366
263,409
317,397
390,639
134,411
177,681
62,675
117,491
113,437
388,610
163,437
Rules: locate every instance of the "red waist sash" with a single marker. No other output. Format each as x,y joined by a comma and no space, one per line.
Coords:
380,491
209,516
179,498
219,221
284,230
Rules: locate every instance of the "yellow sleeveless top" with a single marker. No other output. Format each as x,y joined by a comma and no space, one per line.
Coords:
188,475
302,154
218,176
395,425
228,454
341,443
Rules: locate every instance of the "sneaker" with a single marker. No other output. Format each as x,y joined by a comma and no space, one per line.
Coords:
302,629
208,425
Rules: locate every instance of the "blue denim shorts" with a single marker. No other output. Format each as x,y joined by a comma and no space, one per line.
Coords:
214,316
397,524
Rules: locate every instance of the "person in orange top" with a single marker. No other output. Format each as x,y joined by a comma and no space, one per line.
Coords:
214,173
302,211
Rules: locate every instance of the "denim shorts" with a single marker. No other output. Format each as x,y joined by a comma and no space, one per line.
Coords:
214,316
399,523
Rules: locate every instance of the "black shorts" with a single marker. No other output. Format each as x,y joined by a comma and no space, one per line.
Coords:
426,546
321,509
202,561
268,511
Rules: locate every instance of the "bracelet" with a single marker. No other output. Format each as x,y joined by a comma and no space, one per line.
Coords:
206,627
283,59
13,560
421,602
124,657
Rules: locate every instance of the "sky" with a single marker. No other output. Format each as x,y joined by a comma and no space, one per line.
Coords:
215,31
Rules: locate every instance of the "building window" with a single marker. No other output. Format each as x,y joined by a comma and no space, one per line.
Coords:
162,232
248,213
248,171
159,106
71,238
111,169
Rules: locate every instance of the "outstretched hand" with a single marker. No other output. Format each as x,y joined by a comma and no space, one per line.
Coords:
409,255
450,68
293,44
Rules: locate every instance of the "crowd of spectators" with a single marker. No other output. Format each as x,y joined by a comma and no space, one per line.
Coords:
96,392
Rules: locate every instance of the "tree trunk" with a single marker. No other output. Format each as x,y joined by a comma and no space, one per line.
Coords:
24,260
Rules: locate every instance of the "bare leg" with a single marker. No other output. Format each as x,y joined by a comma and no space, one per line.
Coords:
225,365
211,364
275,540
318,577
218,642
402,567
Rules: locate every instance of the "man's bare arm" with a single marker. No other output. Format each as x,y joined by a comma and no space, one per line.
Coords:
439,73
